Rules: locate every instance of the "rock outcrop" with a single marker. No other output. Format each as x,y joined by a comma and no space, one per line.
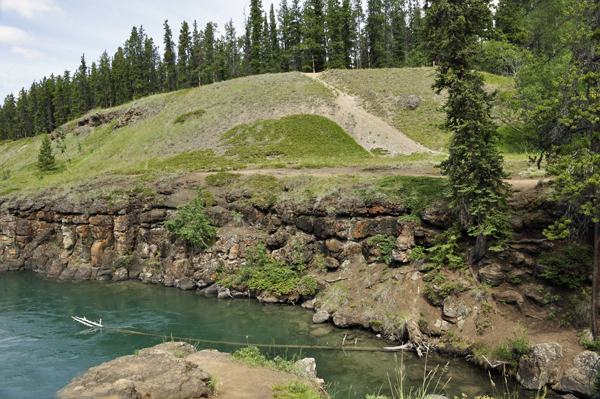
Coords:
154,373
537,367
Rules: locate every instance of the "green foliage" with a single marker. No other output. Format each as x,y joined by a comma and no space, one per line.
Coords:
474,166
416,192
569,267
46,160
251,356
192,224
290,138
4,174
446,251
295,390
385,245
263,273
511,349
222,179
320,263
190,115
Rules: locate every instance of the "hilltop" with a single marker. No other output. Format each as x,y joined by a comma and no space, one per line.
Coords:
291,120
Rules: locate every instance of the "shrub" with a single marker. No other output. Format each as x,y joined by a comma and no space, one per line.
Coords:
385,245
192,224
46,161
222,178
569,268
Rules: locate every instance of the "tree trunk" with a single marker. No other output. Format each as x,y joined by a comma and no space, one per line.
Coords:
313,62
596,285
479,250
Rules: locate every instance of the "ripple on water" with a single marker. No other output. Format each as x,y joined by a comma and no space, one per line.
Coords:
43,348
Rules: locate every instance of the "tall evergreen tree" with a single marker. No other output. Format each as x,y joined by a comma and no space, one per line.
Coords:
80,90
335,45
314,43
375,30
46,160
255,23
474,165
183,57
169,59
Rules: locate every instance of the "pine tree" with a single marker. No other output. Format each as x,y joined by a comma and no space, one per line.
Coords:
169,59
231,51
313,33
255,22
46,161
474,165
348,31
375,30
183,57
336,58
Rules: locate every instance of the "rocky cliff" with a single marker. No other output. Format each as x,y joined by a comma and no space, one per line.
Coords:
332,236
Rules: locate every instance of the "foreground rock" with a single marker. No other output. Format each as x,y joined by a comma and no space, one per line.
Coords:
154,373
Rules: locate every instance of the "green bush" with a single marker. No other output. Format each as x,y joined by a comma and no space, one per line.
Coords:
385,245
222,178
263,273
568,268
192,224
46,161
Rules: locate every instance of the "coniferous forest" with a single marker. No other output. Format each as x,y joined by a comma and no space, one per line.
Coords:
309,36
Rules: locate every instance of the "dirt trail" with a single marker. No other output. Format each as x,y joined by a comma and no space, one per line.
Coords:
517,182
235,380
368,130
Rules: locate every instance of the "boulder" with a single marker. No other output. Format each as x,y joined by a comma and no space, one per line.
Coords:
577,380
321,317
309,366
535,368
491,274
510,297
153,373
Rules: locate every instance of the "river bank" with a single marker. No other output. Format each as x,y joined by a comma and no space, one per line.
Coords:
351,284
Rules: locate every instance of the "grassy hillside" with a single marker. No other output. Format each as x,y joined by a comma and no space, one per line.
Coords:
384,92
257,121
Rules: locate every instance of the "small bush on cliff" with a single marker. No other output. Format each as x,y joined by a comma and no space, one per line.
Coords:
190,115
569,268
385,245
192,224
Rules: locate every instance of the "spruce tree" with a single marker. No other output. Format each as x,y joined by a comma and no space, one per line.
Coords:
46,161
314,36
375,30
474,165
169,59
255,23
183,57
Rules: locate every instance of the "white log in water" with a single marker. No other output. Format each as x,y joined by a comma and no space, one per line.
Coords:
88,323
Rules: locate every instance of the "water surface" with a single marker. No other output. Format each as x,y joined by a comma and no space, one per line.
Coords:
42,348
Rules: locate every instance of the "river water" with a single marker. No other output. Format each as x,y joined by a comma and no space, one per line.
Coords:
42,348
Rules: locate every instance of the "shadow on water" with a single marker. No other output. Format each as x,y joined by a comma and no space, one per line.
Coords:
42,348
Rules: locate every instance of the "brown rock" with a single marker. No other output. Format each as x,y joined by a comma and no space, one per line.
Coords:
155,373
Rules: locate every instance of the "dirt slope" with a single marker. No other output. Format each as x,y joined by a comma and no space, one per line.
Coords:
367,129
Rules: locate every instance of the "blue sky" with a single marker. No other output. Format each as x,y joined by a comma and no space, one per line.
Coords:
41,37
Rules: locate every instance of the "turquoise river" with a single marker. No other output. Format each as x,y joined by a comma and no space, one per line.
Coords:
42,348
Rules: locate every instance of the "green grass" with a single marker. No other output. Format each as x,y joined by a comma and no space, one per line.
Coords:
385,90
234,130
291,138
189,115
295,390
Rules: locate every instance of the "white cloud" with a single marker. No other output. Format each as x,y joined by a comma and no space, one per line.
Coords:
30,8
30,54
12,35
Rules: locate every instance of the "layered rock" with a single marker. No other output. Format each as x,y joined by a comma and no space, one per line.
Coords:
155,373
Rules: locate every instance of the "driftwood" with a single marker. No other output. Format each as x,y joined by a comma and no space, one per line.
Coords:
406,346
496,362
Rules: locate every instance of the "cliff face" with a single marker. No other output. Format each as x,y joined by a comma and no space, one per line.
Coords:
447,309
102,241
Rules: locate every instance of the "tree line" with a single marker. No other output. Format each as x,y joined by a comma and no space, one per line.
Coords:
311,36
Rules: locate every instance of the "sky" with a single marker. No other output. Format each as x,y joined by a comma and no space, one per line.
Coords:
41,37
